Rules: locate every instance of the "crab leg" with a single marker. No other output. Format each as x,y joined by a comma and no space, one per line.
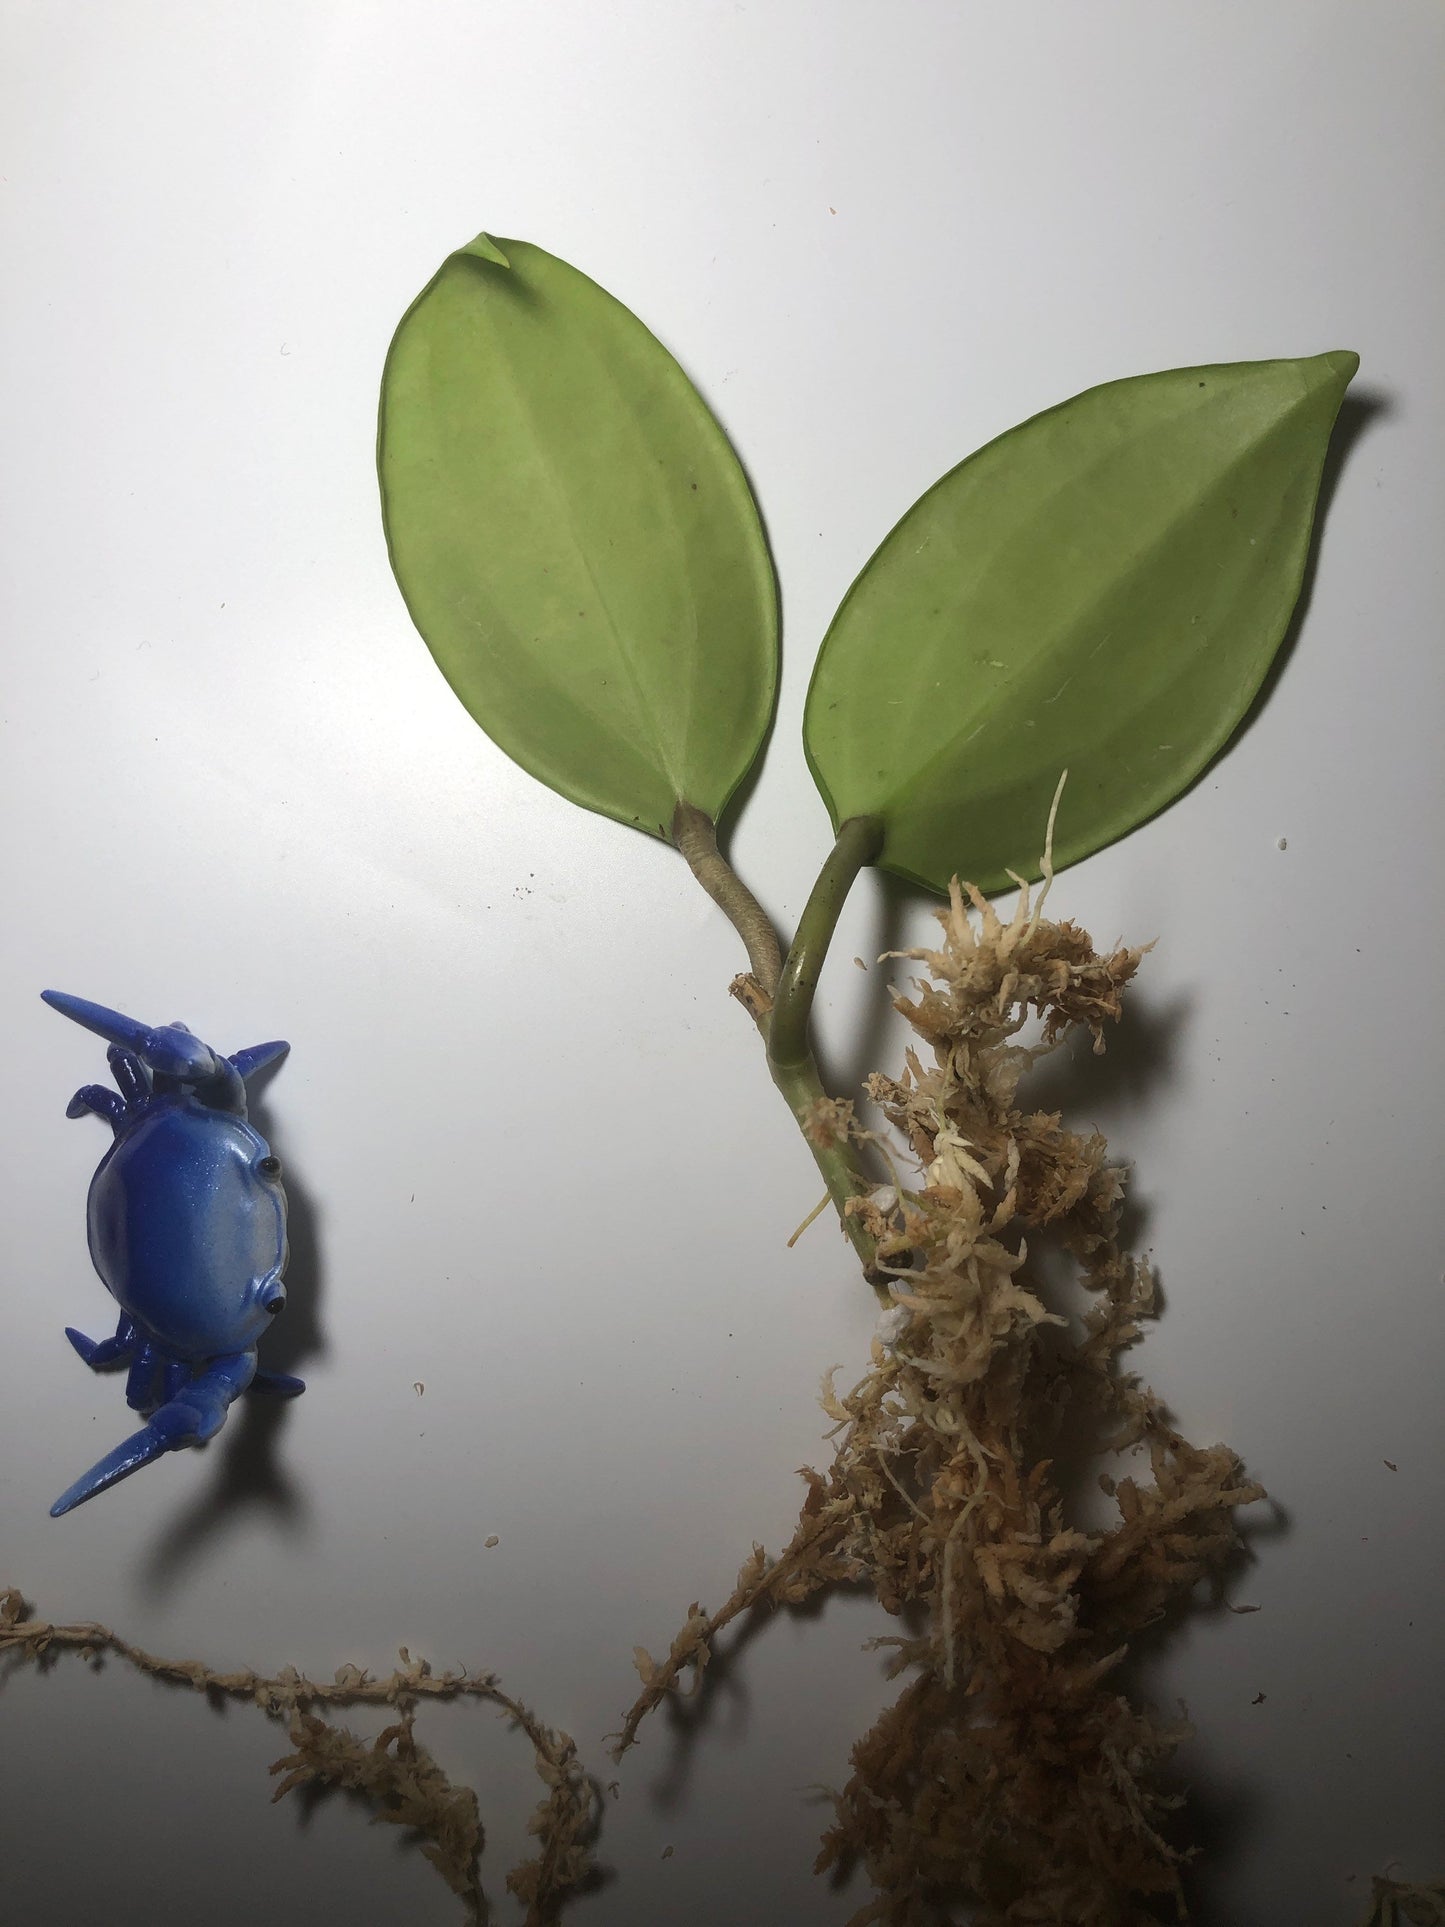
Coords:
104,1354
129,1073
195,1414
104,1103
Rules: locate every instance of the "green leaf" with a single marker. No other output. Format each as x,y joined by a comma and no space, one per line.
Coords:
1101,589
574,537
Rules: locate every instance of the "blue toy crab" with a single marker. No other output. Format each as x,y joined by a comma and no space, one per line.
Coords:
187,1228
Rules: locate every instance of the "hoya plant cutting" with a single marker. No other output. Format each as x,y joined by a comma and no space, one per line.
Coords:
1047,648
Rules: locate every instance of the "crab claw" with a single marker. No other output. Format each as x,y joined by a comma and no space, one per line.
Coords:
195,1414
129,1456
168,1048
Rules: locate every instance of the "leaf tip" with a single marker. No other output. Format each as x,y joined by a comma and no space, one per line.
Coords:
484,248
1343,365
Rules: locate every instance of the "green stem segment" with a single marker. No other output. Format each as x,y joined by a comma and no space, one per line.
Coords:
790,1052
859,841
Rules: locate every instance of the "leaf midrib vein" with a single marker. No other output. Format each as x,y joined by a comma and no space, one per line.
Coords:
544,468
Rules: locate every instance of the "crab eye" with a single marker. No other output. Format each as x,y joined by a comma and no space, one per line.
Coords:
269,1167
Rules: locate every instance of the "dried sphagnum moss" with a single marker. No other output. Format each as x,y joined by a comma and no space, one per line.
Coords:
1012,1771
394,1773
1394,1902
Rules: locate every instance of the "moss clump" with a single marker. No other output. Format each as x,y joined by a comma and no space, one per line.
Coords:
1012,1771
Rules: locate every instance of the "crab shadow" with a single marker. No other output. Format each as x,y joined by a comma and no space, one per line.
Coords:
248,1467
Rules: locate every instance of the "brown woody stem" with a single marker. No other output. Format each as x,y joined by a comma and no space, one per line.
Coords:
695,835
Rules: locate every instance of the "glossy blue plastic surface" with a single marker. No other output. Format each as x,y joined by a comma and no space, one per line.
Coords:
187,1228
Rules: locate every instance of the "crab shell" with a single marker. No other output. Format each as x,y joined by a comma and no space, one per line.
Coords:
187,1227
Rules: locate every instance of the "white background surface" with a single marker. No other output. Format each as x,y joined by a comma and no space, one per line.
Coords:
534,1160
